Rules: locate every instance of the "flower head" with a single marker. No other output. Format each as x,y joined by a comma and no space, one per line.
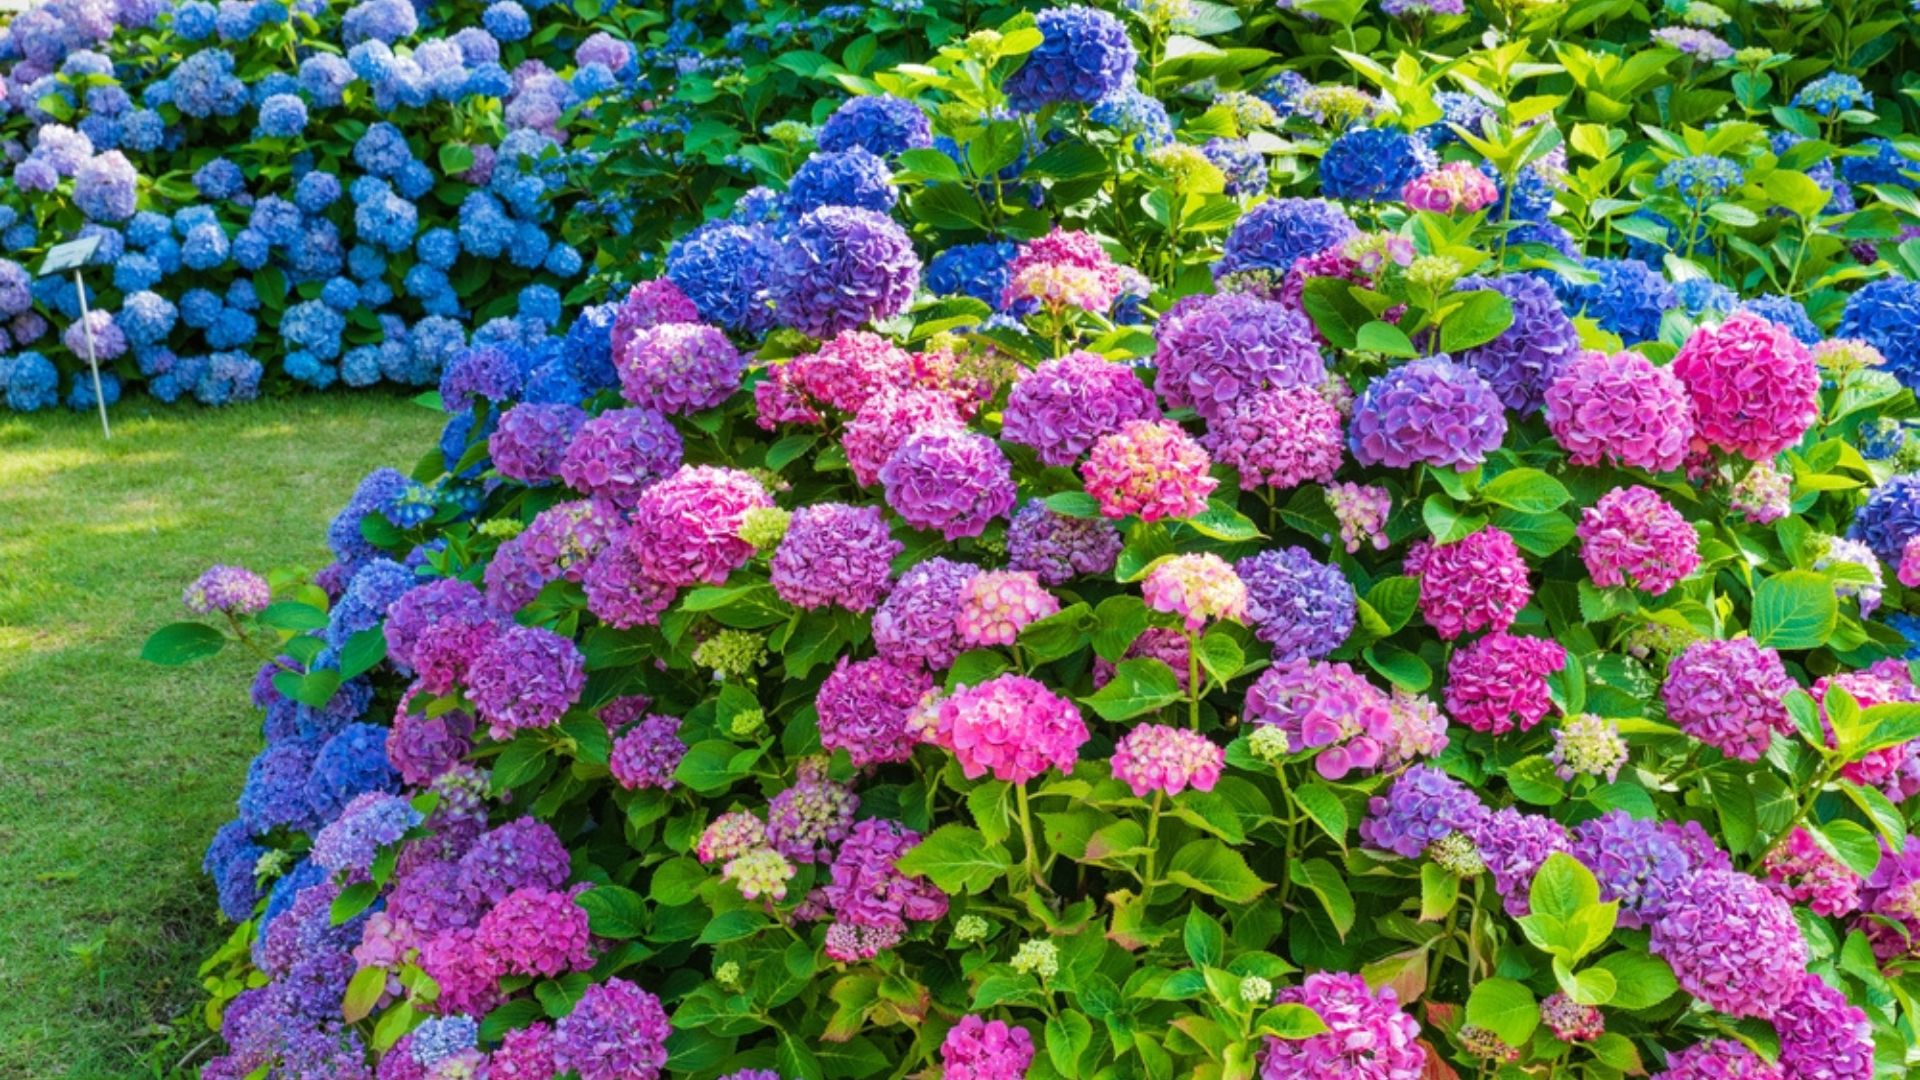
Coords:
1157,757
1011,726
1151,469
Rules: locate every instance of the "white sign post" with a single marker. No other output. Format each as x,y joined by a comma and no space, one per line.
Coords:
73,255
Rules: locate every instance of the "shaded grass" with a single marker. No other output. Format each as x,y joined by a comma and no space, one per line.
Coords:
114,773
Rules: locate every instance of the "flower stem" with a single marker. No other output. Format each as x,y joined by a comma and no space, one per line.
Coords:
1032,857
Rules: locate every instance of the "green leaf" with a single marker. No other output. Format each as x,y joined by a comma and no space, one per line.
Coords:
732,926
1641,981
292,615
1793,610
1138,686
182,643
455,158
1068,1036
363,993
353,900
1060,634
1482,316
362,651
1386,339
1439,891
1395,599
1504,1007
1851,843
1222,522
512,1016
613,911
1117,622
1206,942
1215,869
709,766
1529,491
1326,881
521,761
1289,1022
1073,504
1533,780
1889,725
1537,534
957,859
1220,655
1324,808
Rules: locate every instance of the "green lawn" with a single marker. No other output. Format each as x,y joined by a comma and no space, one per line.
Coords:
114,773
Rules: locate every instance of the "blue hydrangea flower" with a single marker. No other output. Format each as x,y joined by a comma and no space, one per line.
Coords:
219,179
282,116
314,326
507,20
30,381
1883,164
1705,296
726,270
847,178
316,191
1084,55
1886,315
1890,517
978,270
1628,300
1832,94
382,151
1787,312
1275,233
1699,179
880,124
1372,163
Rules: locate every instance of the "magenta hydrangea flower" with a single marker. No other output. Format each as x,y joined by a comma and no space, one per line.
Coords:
864,704
1633,535
1280,437
887,419
1500,682
1478,582
918,623
995,605
1367,1034
525,678
1803,873
1200,588
230,590
524,1054
532,439
1151,469
679,368
1220,348
1570,1021
686,528
949,480
807,821
1755,388
1063,406
1158,757
835,554
422,747
646,754
1457,185
1718,1059
616,1031
1731,943
1057,548
1429,411
979,1049
465,973
617,455
848,369
1620,409
425,607
1514,844
1729,695
536,932
1327,707
1011,726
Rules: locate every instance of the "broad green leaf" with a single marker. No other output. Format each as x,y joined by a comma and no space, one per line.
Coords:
1215,869
1504,1007
957,859
1138,686
182,643
1529,491
1793,610
613,912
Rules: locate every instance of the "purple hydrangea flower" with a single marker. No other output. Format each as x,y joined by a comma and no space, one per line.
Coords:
1430,411
1296,603
1525,359
834,554
1056,548
840,267
526,678
1221,347
1423,805
1732,943
951,480
1063,406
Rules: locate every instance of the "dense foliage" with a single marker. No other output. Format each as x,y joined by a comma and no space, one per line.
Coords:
1131,562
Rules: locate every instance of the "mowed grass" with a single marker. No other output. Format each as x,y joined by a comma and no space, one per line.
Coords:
113,772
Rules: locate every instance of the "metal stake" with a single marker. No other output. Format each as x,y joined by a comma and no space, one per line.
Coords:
93,361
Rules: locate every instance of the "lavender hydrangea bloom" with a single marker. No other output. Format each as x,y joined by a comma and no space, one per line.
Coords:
1063,406
1296,603
1215,350
950,480
617,1031
526,678
1890,517
1423,805
1430,411
1523,361
1732,943
531,441
1641,863
1056,548
840,267
834,554
373,820
917,622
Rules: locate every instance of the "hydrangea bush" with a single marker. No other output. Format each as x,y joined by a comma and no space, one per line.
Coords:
1058,614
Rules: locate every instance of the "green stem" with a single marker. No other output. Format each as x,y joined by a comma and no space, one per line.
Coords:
1153,849
1032,856
1193,681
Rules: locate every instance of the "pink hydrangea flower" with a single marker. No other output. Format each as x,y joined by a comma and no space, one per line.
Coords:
1729,695
1151,469
1327,707
1755,388
978,1049
232,590
888,417
1199,588
848,369
1764,495
1620,409
1361,510
1280,437
1157,757
1478,582
1367,1034
1011,726
1500,682
995,605
1632,534
686,528
1718,1059
536,932
1803,873
1457,185
1909,569
1066,268
731,834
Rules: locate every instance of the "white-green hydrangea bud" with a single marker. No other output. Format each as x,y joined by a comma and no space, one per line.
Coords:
984,43
970,928
1435,272
272,863
1456,854
502,528
790,133
1187,167
1255,990
1268,743
1753,56
731,653
765,526
747,723
727,975
1588,745
1702,14
1037,957
760,872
